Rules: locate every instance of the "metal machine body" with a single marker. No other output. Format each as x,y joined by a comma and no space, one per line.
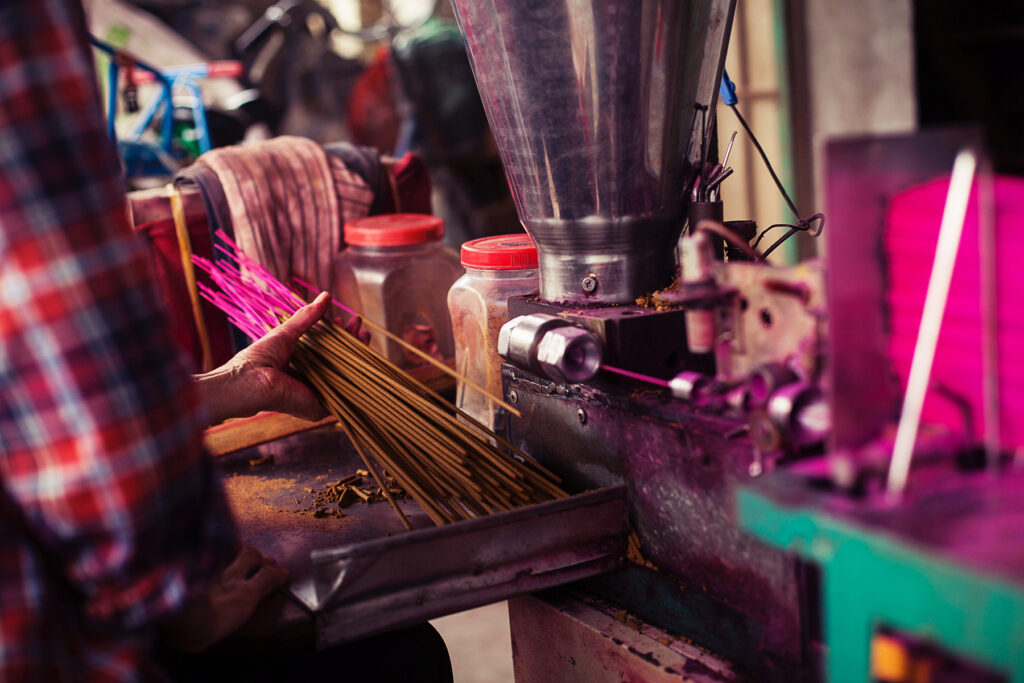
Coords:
746,408
603,113
682,460
944,568
572,637
706,580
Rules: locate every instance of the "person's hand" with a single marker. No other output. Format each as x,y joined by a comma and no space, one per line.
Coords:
354,327
227,604
255,379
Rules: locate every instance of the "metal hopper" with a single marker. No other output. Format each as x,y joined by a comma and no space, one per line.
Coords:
597,108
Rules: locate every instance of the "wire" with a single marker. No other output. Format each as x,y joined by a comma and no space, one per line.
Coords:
802,224
778,242
770,227
764,158
806,225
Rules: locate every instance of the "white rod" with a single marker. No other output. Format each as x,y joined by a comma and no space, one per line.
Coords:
950,231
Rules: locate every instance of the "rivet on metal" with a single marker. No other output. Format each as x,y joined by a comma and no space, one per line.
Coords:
582,415
513,397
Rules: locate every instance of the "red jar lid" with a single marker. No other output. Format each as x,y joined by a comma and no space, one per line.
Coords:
501,252
394,230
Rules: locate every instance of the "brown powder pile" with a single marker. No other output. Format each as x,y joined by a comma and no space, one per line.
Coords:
332,499
656,301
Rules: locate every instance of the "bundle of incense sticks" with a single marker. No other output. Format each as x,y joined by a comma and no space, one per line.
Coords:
449,463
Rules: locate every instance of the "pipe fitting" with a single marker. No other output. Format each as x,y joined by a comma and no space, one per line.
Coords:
689,386
552,347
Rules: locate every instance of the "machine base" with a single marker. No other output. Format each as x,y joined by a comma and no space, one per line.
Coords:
559,637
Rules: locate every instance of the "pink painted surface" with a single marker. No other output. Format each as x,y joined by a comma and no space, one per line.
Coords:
912,228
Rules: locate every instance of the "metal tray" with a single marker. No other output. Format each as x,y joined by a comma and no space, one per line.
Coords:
365,574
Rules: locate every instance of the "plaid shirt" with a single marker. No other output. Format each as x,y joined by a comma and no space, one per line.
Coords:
110,516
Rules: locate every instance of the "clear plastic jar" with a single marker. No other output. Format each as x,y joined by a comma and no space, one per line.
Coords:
395,272
496,268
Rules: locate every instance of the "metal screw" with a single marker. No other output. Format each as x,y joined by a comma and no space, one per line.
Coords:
582,415
513,397
590,284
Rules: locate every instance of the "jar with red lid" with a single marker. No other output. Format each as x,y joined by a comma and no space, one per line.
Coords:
497,268
395,272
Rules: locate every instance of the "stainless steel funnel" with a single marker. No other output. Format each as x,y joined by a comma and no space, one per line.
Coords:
595,106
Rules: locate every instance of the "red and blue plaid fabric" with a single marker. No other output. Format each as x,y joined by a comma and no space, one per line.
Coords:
111,516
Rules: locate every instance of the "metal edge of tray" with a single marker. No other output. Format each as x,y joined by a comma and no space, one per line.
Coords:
374,586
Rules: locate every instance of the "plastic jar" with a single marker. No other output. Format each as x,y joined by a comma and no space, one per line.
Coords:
496,268
395,272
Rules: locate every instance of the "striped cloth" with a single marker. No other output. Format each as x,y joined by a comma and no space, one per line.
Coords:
110,515
288,201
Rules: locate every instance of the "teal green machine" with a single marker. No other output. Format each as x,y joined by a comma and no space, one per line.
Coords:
937,563
880,569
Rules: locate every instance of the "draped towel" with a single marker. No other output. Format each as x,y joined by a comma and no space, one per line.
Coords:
288,201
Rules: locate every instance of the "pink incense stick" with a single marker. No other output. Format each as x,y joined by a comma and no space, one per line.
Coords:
636,376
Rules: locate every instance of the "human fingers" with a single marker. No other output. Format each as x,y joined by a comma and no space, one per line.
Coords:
355,327
308,315
267,578
247,559
288,332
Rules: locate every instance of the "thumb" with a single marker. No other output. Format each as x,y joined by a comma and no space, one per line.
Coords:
305,317
281,341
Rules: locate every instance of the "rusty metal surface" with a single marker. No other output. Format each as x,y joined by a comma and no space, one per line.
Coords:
363,573
556,637
680,473
266,501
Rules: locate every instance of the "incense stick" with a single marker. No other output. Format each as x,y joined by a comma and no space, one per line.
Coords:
450,464
417,352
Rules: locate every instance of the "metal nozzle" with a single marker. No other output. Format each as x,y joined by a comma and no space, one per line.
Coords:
552,347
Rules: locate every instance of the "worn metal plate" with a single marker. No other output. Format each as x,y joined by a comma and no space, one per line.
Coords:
268,502
557,636
363,573
680,469
369,587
